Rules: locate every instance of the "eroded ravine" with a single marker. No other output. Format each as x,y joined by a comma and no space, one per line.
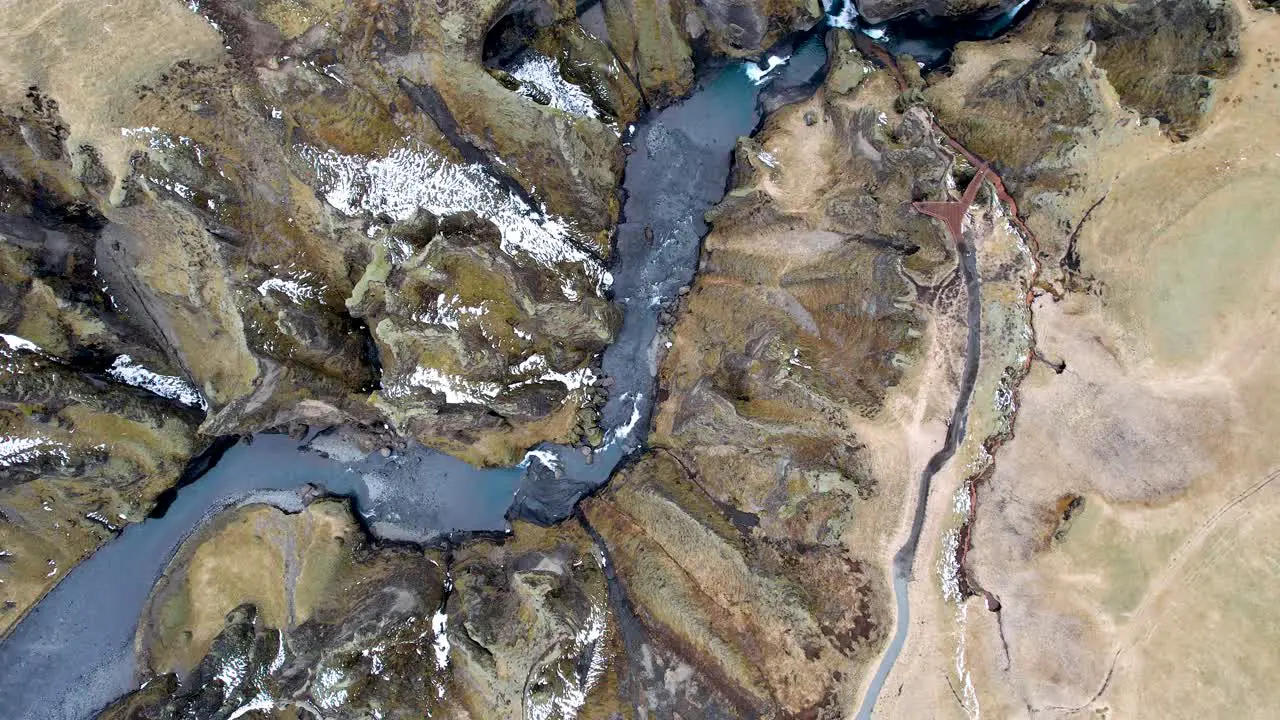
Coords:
79,638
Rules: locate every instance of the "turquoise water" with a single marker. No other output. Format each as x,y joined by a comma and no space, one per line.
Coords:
73,653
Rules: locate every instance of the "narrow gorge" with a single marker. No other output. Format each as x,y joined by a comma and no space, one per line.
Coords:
627,358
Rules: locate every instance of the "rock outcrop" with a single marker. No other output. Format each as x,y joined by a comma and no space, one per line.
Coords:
276,612
934,11
293,614
218,221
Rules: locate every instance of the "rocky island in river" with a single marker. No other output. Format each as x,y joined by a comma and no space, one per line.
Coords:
638,359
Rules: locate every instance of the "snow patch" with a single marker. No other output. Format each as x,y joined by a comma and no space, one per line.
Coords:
440,645
416,177
543,73
455,389
231,673
535,363
961,502
16,343
295,286
449,311
262,704
16,450
588,644
278,661
125,370
329,689
174,187
949,567
458,389
159,140
795,359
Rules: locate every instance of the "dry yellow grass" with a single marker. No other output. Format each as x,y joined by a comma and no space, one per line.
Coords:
1159,599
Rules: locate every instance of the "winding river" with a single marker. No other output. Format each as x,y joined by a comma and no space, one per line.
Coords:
73,652
904,559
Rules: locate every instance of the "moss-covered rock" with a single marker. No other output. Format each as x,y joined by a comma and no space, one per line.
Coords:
285,612
1164,58
282,613
1041,105
480,355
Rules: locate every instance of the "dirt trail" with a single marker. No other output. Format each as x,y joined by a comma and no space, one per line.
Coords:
1175,573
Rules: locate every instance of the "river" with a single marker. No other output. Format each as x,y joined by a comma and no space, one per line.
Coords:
73,652
904,559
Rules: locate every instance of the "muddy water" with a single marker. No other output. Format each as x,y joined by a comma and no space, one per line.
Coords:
73,653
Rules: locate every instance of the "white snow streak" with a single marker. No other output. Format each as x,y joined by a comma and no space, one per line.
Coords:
543,73
571,380
296,291
449,311
329,689
124,370
259,703
18,450
456,389
16,343
588,640
416,177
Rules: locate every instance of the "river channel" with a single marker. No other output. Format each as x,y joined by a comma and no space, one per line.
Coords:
73,652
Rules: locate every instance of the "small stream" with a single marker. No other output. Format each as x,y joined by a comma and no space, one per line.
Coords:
904,559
